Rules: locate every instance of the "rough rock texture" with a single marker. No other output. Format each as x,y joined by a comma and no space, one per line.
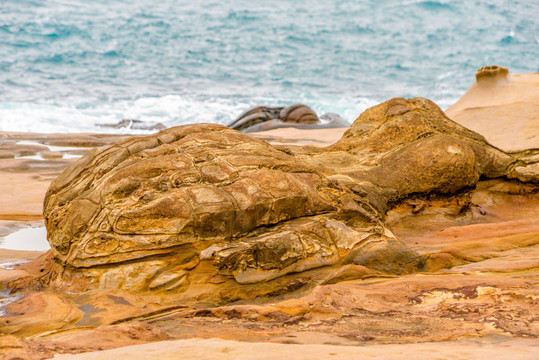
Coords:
476,249
263,118
153,207
299,114
411,146
491,72
294,114
155,212
481,284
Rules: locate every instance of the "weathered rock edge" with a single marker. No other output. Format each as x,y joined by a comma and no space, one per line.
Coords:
150,212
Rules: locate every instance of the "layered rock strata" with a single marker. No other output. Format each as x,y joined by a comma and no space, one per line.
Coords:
501,106
153,213
263,118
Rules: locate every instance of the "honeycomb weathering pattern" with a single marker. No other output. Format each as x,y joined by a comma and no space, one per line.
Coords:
143,213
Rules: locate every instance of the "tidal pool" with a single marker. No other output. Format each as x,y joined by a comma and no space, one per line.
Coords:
27,239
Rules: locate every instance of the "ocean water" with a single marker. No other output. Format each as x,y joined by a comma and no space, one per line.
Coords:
70,65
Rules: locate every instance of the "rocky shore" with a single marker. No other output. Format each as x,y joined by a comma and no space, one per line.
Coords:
405,234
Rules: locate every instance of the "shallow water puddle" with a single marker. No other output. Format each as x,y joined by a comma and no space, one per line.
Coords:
65,150
39,157
10,265
28,239
6,298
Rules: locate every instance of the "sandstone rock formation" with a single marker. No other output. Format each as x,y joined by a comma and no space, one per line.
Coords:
491,73
262,118
465,271
299,114
501,106
204,203
149,209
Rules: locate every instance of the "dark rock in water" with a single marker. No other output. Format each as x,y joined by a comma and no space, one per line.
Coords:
299,116
325,123
254,116
200,203
135,125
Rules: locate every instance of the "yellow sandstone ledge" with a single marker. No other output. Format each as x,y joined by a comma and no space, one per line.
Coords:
502,107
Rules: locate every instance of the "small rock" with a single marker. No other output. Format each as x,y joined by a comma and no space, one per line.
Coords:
51,154
6,154
298,114
491,72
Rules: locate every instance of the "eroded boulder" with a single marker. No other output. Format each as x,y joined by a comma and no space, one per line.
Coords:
142,213
411,146
167,211
263,118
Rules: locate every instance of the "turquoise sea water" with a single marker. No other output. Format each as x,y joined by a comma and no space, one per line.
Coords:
67,65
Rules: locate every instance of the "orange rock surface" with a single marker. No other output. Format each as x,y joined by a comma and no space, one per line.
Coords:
477,295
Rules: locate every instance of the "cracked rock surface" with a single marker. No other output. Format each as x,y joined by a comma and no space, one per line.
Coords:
152,213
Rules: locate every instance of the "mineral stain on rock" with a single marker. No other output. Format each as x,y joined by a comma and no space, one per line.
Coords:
166,212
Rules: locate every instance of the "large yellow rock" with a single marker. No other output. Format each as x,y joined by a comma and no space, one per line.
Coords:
165,211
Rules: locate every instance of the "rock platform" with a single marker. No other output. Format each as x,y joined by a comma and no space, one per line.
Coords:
411,229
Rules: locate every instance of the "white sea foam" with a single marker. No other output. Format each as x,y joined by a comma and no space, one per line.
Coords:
67,66
169,110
